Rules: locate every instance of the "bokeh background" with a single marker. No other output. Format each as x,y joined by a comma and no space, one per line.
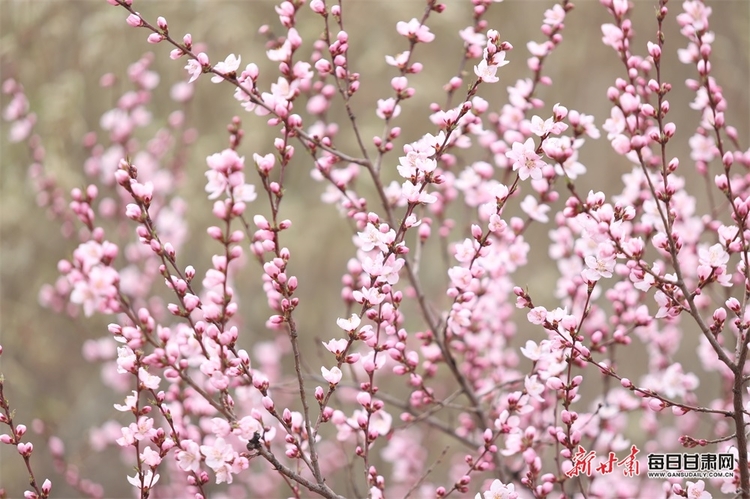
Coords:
59,50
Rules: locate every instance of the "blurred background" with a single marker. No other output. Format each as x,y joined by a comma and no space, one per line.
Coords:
59,50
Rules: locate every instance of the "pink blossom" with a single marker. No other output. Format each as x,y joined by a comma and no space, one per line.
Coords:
533,351
434,246
143,429
702,148
525,160
349,324
498,490
247,427
537,315
416,194
92,293
496,224
227,67
189,458
398,60
460,277
126,360
264,163
471,37
615,124
534,210
534,388
414,162
89,254
387,108
318,6
621,144
150,457
672,382
666,307
281,53
194,67
226,161
144,481
217,454
370,295
612,36
554,16
149,381
538,49
601,265
131,402
244,192
220,427
714,256
415,30
223,473
486,71
371,363
696,490
372,237
333,376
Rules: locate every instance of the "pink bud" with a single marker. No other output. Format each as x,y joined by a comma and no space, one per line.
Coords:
655,405
134,20
555,383
654,51
364,399
727,159
679,411
318,6
733,304
487,435
215,232
25,449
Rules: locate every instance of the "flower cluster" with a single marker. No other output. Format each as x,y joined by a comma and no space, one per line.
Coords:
440,338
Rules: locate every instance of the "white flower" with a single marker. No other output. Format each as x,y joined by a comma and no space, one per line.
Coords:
189,459
194,68
130,402
349,324
148,380
532,351
485,72
534,210
598,267
149,480
244,192
335,346
218,454
498,490
715,256
333,376
534,388
230,65
217,184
